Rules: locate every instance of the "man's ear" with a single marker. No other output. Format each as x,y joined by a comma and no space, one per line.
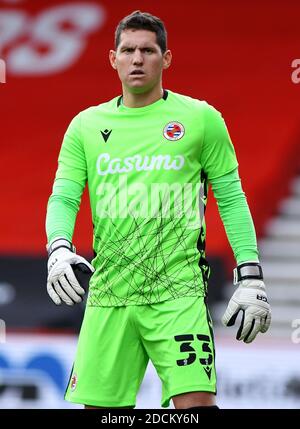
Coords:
167,59
112,59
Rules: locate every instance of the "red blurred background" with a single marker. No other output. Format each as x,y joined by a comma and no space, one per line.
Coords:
235,55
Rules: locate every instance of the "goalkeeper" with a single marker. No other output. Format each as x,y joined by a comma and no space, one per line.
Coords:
148,157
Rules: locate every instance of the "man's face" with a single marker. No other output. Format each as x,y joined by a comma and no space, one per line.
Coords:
139,60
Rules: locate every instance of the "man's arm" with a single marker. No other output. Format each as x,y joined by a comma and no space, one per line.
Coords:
62,209
220,164
236,216
70,181
66,269
250,297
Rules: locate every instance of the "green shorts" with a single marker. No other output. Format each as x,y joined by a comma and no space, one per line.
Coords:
116,343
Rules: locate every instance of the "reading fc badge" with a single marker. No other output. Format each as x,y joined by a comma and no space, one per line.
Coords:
174,131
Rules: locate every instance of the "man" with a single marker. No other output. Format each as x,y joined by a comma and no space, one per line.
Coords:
148,157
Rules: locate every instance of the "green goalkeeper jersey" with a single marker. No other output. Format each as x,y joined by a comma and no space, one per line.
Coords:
147,171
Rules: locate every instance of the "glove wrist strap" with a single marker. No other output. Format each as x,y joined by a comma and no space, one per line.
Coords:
60,242
247,271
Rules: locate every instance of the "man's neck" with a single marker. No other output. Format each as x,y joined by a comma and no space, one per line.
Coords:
141,100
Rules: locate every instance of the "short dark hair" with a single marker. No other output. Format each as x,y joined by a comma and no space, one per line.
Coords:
143,21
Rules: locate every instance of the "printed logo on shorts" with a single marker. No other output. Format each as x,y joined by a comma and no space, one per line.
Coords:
174,131
74,380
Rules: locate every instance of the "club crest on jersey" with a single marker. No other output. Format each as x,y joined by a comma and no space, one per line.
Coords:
174,131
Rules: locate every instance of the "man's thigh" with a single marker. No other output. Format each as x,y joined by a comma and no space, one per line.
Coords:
110,360
178,338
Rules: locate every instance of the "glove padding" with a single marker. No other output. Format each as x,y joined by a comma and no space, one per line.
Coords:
66,272
251,298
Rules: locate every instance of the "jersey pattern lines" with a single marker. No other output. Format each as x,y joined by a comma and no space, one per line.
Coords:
148,193
144,263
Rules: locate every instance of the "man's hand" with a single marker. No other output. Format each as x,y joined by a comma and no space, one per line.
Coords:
64,283
251,298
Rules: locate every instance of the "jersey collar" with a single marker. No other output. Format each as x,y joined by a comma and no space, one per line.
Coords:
164,97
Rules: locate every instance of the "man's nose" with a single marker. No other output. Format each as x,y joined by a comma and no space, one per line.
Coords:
137,57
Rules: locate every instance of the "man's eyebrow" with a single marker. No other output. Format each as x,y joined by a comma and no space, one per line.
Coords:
128,46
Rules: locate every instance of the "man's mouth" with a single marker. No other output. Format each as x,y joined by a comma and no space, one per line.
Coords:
137,72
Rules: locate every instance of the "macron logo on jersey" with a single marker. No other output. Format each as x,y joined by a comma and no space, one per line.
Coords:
106,165
105,134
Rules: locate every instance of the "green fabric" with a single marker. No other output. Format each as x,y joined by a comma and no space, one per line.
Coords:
62,209
236,216
144,181
123,340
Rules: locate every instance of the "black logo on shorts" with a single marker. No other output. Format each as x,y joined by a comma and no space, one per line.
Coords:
186,347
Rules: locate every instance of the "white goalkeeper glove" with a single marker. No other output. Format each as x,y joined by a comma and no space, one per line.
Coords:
68,273
250,298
